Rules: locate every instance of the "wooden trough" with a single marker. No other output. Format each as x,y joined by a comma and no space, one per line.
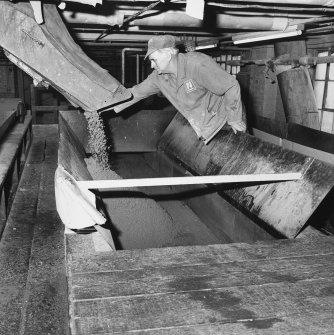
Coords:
285,207
273,286
50,56
251,203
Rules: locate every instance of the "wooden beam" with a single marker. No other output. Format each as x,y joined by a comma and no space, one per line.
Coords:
192,180
51,108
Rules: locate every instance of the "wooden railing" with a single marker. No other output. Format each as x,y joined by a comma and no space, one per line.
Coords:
14,147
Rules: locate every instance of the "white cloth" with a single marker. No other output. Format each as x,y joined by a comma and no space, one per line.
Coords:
75,208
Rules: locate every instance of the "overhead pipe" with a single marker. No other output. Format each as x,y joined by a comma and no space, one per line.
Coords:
180,19
223,21
86,18
326,3
270,14
86,2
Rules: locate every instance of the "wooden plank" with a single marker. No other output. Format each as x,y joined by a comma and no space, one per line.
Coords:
33,101
8,106
83,259
12,154
188,180
33,278
233,304
106,233
298,97
296,324
51,108
297,133
296,87
71,154
274,127
46,307
15,250
285,207
51,144
324,156
77,123
7,119
37,151
19,129
8,153
311,137
199,277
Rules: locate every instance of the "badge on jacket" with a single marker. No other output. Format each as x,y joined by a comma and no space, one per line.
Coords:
190,86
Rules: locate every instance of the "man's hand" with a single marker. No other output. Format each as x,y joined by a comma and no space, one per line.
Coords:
237,126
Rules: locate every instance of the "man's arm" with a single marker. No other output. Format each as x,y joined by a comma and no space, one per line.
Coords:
143,90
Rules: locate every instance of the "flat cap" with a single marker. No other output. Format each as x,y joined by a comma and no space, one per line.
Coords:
159,42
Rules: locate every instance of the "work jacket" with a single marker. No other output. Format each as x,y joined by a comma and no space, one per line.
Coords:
205,94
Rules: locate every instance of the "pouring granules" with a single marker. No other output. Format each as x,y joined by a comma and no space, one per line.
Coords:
97,138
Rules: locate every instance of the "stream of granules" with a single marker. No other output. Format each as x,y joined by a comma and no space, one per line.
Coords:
97,138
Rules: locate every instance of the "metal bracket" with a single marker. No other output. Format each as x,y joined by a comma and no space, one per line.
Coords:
269,70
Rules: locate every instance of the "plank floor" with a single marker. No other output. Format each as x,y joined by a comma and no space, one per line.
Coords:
33,286
274,287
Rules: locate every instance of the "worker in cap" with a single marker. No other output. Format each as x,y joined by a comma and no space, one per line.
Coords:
205,94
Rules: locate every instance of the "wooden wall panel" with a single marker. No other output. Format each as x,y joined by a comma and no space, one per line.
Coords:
7,86
264,98
284,206
296,87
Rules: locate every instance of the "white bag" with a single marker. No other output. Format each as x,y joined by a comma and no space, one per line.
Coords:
75,207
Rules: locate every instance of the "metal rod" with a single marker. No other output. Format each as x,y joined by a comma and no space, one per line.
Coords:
137,68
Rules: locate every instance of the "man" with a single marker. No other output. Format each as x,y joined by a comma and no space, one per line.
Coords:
206,95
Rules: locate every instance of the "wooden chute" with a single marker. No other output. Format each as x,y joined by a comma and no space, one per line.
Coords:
48,53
